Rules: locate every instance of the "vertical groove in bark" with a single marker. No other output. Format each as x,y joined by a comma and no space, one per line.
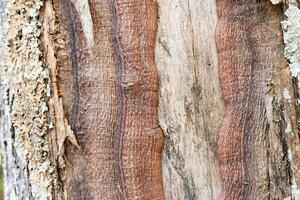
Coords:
252,146
113,101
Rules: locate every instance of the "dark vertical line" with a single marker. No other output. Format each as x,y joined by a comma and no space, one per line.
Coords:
284,142
76,93
118,136
295,83
267,133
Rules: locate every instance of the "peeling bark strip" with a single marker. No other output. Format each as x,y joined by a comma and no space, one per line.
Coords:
113,108
252,146
60,129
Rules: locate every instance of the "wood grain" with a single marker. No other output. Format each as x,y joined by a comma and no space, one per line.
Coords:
190,104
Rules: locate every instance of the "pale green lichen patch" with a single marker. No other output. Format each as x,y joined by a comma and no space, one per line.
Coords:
291,27
27,80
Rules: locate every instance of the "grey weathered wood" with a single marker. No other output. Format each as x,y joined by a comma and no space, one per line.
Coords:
191,109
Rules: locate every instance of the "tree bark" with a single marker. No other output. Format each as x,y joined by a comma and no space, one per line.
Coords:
181,99
250,57
112,108
103,82
190,104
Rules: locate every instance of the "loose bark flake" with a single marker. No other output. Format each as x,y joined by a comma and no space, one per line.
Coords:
60,129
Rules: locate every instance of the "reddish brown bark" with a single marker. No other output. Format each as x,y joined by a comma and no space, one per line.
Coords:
138,136
113,106
250,52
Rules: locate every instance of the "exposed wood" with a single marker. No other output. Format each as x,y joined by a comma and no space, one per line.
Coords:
190,108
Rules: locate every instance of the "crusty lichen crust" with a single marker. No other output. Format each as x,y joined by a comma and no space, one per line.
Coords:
291,27
291,37
28,81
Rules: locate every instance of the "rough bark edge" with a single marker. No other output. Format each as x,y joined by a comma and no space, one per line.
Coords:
53,40
291,37
29,83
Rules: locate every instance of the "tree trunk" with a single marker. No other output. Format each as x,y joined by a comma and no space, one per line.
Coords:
181,99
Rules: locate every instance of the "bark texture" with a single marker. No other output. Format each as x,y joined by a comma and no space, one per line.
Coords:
257,138
291,38
253,145
30,166
113,103
103,80
190,105
79,98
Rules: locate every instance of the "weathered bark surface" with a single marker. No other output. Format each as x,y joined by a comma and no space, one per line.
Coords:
9,160
228,106
112,107
30,165
190,108
253,146
258,139
102,82
291,90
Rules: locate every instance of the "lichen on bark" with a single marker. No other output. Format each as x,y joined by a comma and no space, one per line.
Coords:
291,27
27,80
291,36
